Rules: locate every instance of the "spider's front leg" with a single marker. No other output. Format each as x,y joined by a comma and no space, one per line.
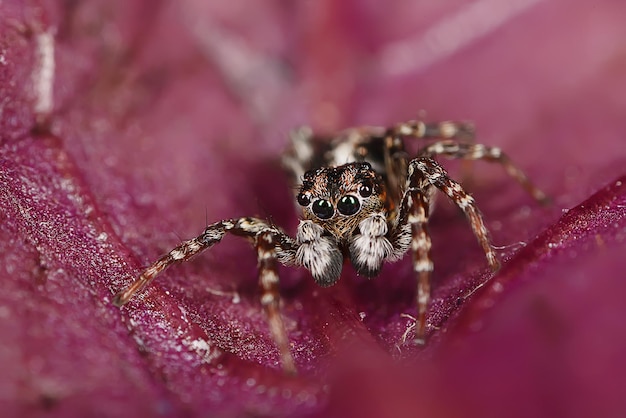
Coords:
266,243
272,246
183,252
424,175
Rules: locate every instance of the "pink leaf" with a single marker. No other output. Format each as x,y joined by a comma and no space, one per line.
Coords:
126,126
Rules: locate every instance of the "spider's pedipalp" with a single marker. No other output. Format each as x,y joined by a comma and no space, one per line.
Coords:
370,248
318,253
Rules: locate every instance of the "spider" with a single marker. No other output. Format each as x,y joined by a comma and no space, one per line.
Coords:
363,198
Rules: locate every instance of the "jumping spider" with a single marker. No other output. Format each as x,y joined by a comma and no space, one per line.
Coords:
369,201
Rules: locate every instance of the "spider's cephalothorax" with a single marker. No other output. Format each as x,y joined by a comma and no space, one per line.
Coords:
362,198
348,203
338,198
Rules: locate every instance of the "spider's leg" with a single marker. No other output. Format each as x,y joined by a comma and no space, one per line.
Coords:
422,261
272,245
266,243
424,175
466,151
395,157
434,130
410,230
246,227
430,171
211,236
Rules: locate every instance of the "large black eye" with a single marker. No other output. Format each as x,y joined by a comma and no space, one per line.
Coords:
323,209
304,199
348,205
366,189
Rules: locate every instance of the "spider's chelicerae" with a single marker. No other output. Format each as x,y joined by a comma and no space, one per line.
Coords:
363,198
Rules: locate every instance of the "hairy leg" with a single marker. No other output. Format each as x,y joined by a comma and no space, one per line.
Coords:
266,243
436,175
470,151
434,130
422,260
272,245
424,177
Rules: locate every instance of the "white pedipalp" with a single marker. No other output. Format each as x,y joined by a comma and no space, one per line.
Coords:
371,247
318,253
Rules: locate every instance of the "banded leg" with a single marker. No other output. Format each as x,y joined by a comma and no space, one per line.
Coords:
422,261
434,130
436,175
425,174
272,245
396,159
470,151
270,297
211,236
246,227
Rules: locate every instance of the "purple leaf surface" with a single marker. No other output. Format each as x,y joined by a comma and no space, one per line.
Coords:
126,126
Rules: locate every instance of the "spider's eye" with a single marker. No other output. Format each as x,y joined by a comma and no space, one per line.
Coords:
323,209
348,205
366,189
304,199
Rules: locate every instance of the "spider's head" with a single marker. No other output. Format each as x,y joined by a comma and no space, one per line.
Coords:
338,198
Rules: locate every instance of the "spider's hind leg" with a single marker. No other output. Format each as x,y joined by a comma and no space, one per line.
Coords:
396,158
470,151
461,131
